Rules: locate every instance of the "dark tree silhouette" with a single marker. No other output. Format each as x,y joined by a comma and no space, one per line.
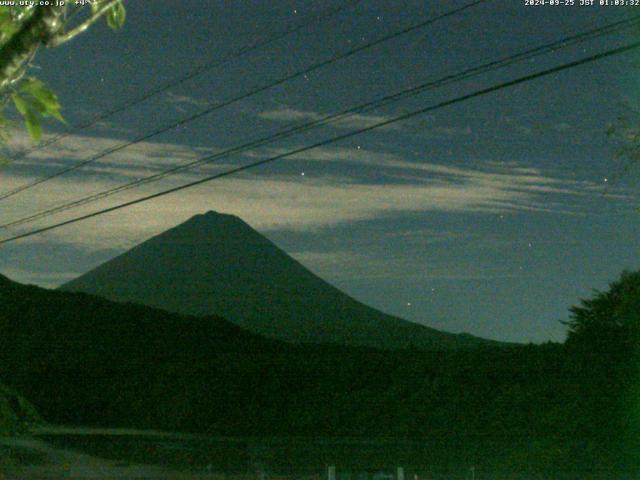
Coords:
604,346
609,322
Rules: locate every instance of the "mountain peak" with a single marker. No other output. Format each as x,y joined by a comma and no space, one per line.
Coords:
215,263
212,219
207,227
213,216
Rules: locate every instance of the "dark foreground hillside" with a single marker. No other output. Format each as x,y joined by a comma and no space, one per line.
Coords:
16,413
87,361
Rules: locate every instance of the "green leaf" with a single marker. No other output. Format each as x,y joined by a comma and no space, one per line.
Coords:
7,26
5,17
11,19
40,91
46,101
20,103
116,16
31,118
32,122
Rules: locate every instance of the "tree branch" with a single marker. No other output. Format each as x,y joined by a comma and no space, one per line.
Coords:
63,38
24,14
44,24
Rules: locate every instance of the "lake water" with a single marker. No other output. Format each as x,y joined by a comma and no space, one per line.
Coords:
81,453
65,453
54,453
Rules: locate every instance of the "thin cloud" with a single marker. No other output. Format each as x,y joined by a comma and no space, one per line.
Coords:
272,204
271,201
135,161
185,100
354,121
423,127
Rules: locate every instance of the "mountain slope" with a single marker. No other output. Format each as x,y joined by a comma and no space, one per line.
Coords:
217,264
81,359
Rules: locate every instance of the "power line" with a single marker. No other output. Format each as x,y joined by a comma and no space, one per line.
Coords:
399,118
477,70
243,96
197,71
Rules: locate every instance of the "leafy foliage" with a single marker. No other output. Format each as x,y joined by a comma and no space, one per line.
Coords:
116,16
10,21
604,343
32,99
609,322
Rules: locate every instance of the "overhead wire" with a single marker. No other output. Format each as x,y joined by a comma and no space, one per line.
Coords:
340,116
377,125
215,107
195,72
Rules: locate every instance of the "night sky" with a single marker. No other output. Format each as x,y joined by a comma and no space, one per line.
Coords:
490,216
